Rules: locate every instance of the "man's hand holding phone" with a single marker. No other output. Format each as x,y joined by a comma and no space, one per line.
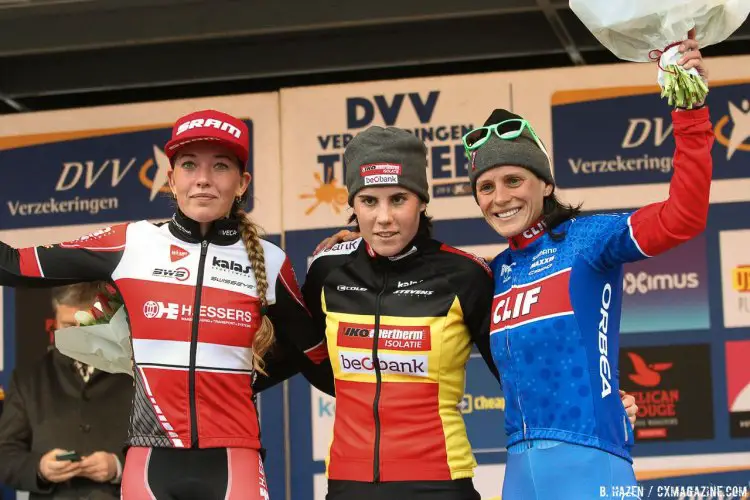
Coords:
58,466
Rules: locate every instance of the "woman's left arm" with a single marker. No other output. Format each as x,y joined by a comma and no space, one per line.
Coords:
661,226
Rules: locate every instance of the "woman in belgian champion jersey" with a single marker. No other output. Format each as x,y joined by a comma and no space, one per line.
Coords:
205,296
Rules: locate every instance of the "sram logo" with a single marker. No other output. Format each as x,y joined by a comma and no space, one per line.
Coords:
179,274
210,123
538,300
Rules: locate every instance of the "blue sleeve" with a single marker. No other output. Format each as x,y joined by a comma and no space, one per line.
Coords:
605,240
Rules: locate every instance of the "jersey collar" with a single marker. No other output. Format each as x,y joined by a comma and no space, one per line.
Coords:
412,249
526,238
224,231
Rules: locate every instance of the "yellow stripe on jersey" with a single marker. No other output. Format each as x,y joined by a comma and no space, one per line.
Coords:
457,348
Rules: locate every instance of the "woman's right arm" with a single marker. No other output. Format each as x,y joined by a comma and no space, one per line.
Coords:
91,257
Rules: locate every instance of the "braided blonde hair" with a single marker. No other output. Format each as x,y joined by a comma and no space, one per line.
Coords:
264,337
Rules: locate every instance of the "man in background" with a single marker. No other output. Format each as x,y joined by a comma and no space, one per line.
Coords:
64,424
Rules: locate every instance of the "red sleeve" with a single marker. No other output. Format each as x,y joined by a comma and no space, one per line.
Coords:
89,258
661,226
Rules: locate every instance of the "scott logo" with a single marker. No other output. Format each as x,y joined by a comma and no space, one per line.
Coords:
644,283
210,123
645,374
230,265
180,274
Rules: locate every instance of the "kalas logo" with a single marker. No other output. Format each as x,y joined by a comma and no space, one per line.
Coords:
646,375
230,266
644,283
741,278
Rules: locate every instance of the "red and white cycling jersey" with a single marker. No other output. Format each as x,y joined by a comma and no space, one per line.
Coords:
193,309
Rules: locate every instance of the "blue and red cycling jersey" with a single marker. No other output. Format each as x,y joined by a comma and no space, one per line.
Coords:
556,310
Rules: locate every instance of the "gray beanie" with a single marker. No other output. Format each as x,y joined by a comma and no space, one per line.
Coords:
522,151
386,157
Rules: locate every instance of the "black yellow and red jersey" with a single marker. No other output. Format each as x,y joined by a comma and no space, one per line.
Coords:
399,333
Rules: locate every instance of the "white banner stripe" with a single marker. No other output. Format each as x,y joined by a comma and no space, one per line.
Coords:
177,354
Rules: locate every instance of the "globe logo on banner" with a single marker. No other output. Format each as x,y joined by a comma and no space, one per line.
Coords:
608,137
88,176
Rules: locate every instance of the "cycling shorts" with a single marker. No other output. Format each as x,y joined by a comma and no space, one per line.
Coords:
194,474
545,469
458,489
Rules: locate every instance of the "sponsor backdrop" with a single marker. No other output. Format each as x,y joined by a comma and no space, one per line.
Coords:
686,317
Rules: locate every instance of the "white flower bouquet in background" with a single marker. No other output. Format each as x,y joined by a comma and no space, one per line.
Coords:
103,338
647,30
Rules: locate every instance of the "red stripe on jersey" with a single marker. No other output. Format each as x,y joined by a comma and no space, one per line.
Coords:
478,260
289,280
164,311
29,262
319,353
545,298
108,239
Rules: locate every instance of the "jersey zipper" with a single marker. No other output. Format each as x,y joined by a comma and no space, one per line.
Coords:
518,392
194,346
510,363
378,382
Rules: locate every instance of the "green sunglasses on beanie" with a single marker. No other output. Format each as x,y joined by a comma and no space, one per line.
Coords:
505,139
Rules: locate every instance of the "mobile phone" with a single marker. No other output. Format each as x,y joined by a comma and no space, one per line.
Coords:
71,456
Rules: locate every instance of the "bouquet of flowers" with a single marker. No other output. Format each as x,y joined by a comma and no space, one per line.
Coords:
102,339
644,30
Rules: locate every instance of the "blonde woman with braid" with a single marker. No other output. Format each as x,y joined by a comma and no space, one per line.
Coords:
206,298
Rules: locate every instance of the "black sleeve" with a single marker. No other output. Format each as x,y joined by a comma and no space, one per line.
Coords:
312,290
90,258
300,346
19,466
285,361
475,294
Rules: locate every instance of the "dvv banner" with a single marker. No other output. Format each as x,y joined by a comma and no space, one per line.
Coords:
103,165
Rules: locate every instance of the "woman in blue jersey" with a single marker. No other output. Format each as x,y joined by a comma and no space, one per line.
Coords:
556,310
